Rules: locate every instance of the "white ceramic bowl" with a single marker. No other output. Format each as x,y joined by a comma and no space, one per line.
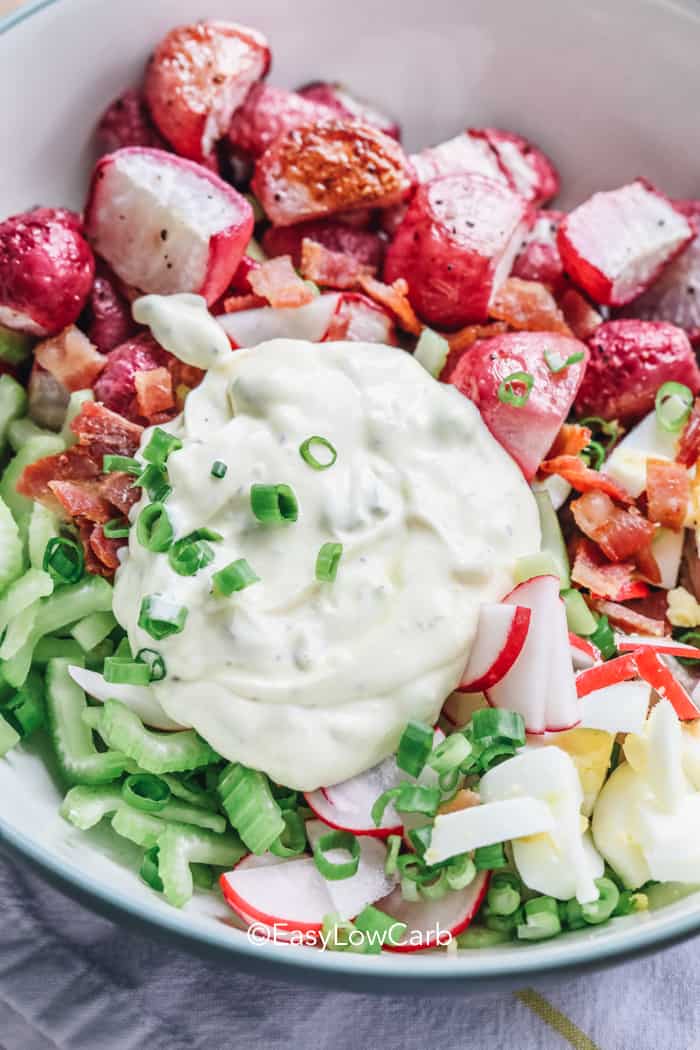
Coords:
608,89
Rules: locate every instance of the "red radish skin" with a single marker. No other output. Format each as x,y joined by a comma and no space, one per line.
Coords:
456,246
661,678
620,669
140,198
538,258
526,432
528,169
629,361
281,926
109,314
364,246
319,804
127,122
636,642
197,77
584,654
344,104
504,637
46,271
457,910
266,114
616,243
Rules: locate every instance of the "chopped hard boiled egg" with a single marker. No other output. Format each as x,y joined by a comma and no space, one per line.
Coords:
683,609
590,751
468,829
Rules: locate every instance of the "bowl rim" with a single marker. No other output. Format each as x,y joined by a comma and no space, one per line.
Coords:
471,967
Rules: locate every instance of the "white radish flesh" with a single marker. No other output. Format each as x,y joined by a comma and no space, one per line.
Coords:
251,327
369,883
432,924
140,699
620,708
500,636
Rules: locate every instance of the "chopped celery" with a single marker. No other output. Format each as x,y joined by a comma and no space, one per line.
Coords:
184,813
64,606
13,404
155,752
180,846
85,806
20,431
43,526
184,788
552,539
248,803
11,556
36,448
542,564
50,648
431,351
25,710
29,588
9,737
578,616
203,876
92,630
19,631
142,828
75,403
15,347
78,758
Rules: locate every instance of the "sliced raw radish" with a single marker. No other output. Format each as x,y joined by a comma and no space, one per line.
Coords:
500,637
484,825
367,885
141,699
629,643
583,653
433,924
348,806
165,224
289,896
621,669
540,684
251,327
620,708
652,669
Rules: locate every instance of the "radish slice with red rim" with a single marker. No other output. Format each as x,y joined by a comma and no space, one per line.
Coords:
619,708
583,653
658,674
621,669
288,896
433,923
367,885
310,322
629,643
500,636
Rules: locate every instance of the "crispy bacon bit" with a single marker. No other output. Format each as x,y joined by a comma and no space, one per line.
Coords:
581,317
82,499
464,799
331,269
105,548
71,358
394,298
571,439
603,578
619,533
119,490
235,303
630,621
154,392
647,564
689,445
466,337
106,431
668,492
75,464
528,306
583,478
278,282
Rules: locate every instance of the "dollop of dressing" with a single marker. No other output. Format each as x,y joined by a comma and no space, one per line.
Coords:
313,682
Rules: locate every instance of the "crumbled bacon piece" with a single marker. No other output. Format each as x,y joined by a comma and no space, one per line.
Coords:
619,533
105,548
277,281
583,478
394,297
75,464
71,358
106,431
119,489
466,337
234,303
581,317
628,619
647,564
527,306
330,269
668,492
82,500
603,578
154,392
571,439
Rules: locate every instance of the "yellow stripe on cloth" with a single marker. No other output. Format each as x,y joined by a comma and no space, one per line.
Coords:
555,1019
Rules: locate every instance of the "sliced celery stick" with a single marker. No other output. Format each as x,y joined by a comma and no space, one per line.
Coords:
43,526
78,758
181,788
180,846
542,564
183,813
578,616
75,403
34,584
36,448
552,539
9,737
93,629
19,631
11,557
85,806
142,828
13,404
155,752
49,648
20,431
431,351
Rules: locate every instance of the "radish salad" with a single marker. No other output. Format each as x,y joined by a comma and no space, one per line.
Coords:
350,516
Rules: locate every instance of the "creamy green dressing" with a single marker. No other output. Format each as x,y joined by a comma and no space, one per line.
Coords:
314,682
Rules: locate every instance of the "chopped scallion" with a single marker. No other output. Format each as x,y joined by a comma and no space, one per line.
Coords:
153,528
273,503
64,560
234,577
155,663
334,870
515,389
160,617
673,404
313,461
415,746
160,446
116,529
121,464
126,672
327,562
146,792
218,469
557,363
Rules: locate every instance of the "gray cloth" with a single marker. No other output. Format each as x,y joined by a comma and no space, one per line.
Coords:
72,981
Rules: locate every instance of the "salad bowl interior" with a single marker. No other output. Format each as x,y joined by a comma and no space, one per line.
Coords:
578,82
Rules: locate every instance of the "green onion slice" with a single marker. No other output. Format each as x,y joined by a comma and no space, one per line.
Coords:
149,870
121,464
155,481
160,617
542,920
218,469
160,446
460,872
192,552
292,841
64,560
273,503
155,663
515,389
327,562
153,528
234,577
673,404
417,798
146,792
609,428
393,844
379,928
313,461
486,858
599,911
557,363
414,749
116,529
495,753
118,670
492,723
333,870
594,455
450,754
